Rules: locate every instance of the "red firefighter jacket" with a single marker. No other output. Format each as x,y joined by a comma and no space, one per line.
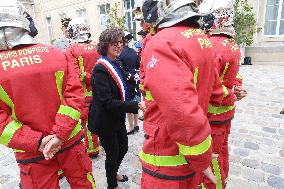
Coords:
179,74
40,94
83,57
228,53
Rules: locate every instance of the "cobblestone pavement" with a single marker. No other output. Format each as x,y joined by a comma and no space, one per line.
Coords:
256,141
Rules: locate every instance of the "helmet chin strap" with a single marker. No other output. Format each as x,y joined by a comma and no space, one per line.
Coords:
11,37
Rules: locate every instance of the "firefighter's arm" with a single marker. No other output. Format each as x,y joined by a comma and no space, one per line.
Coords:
72,100
228,78
171,84
105,96
217,92
17,135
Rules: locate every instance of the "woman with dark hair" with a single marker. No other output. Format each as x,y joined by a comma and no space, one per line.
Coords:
108,108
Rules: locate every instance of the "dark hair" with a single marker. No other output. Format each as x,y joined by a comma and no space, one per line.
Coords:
107,37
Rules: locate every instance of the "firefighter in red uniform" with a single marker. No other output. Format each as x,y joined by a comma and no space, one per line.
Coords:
219,21
41,100
179,77
83,55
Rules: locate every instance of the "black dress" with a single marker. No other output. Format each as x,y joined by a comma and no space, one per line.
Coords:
107,119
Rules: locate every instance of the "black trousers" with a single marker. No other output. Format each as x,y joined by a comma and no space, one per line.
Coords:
115,147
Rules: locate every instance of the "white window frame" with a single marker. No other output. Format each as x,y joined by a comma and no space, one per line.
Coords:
278,19
103,15
82,13
131,15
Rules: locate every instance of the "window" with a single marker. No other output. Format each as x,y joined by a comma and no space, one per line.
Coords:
82,13
104,10
49,28
274,17
130,24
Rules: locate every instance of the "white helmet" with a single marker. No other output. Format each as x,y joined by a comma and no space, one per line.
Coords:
14,14
79,30
218,16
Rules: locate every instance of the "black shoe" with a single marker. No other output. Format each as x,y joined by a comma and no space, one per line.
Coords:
124,178
136,128
93,156
282,112
20,185
131,132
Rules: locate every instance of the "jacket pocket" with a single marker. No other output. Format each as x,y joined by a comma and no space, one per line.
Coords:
27,177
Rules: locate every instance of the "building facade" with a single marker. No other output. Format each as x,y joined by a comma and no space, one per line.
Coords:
268,44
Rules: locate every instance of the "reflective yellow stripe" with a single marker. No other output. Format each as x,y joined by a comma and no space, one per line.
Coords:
225,90
90,141
76,130
7,100
86,92
197,149
18,151
9,131
162,160
91,180
93,150
203,186
81,64
59,81
217,173
148,96
141,87
216,110
239,76
195,77
224,72
69,111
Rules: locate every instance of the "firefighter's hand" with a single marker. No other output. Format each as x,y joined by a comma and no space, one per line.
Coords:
52,147
240,92
209,174
44,141
142,106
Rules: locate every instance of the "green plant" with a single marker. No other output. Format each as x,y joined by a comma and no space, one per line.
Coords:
114,19
244,23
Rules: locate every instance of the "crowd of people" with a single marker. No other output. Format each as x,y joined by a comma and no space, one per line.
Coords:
59,103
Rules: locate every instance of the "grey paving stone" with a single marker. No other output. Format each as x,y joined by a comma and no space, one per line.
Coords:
268,129
252,146
281,131
241,152
254,175
250,163
273,169
276,182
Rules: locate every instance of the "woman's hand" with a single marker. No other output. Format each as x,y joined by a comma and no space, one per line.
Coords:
142,106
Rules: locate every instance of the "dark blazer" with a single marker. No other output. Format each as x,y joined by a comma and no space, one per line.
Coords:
107,110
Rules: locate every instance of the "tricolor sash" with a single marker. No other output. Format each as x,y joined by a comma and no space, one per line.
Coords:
115,74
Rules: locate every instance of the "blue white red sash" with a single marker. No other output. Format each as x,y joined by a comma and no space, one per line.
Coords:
115,74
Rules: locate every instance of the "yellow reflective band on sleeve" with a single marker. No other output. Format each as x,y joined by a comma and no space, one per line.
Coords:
69,111
224,72
203,186
195,77
216,110
76,130
141,87
82,68
163,160
149,96
60,172
217,173
7,100
90,141
239,76
18,151
9,131
86,92
197,149
59,81
91,180
225,91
